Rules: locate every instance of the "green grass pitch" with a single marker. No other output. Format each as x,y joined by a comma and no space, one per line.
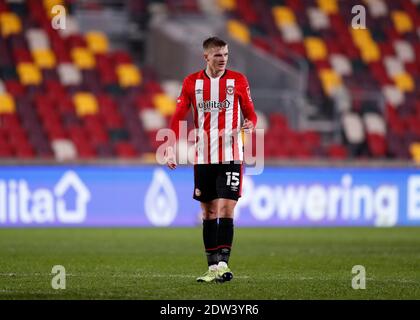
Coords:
149,264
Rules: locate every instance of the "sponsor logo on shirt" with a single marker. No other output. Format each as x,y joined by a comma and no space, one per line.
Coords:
209,105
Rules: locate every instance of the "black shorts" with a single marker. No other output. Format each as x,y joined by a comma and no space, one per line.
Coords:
214,181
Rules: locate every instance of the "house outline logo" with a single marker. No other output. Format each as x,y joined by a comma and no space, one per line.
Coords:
71,180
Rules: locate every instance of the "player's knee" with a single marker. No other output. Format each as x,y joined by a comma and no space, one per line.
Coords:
209,213
226,212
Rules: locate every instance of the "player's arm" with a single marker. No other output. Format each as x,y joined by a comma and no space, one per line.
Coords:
247,106
182,107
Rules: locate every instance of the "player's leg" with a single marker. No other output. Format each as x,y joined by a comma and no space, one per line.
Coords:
225,233
209,215
205,192
229,184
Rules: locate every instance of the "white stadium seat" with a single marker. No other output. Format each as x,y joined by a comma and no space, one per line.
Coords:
353,127
374,123
69,74
64,149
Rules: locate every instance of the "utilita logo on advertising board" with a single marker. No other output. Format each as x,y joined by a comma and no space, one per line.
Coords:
21,204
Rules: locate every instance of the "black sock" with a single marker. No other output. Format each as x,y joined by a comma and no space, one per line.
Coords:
210,240
224,238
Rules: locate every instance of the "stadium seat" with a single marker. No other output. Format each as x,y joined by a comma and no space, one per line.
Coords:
10,23
328,6
318,19
227,5
402,21
404,50
393,95
164,104
404,82
7,103
37,39
64,149
69,74
315,48
97,42
377,8
239,31
374,123
393,65
85,104
291,33
83,58
29,74
330,80
376,145
128,75
283,16
353,128
125,149
172,88
44,58
415,151
341,64
152,119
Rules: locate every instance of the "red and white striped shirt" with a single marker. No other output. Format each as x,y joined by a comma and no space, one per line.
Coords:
216,104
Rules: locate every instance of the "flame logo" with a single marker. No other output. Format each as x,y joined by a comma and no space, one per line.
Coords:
161,204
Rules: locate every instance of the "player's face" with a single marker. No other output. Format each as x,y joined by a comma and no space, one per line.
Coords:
217,58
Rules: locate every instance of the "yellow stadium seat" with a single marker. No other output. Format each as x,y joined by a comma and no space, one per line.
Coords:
239,31
227,5
360,36
49,4
328,6
370,52
404,82
85,104
164,104
415,151
315,48
330,80
402,21
44,58
83,58
7,104
10,24
283,16
97,42
29,74
128,75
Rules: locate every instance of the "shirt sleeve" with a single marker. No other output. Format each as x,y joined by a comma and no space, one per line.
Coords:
183,104
245,99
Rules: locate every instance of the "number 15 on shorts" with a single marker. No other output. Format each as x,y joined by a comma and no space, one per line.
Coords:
232,179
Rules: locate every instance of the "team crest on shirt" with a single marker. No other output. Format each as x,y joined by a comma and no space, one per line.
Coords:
230,90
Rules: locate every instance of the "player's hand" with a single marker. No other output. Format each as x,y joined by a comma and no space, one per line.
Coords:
170,158
248,126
